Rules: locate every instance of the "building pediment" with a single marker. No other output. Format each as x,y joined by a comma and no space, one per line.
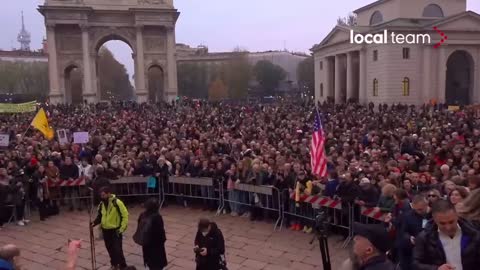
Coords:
466,21
338,34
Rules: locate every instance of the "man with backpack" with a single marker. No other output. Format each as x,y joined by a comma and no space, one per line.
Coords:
113,217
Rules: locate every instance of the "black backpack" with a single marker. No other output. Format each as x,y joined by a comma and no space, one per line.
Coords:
141,235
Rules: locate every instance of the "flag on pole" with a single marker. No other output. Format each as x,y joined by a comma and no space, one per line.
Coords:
318,158
40,122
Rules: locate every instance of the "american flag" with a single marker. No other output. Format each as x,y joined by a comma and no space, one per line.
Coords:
318,158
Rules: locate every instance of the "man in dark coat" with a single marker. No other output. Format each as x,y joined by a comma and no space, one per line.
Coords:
450,243
412,224
209,245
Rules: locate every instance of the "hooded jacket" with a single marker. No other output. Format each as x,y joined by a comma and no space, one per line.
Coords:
112,216
215,245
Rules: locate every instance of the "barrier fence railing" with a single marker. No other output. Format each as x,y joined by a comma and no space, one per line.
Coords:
241,198
307,207
217,195
187,188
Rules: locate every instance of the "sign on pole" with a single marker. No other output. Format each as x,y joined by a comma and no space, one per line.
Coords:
80,137
4,140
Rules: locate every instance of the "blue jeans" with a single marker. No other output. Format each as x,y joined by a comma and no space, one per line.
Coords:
233,197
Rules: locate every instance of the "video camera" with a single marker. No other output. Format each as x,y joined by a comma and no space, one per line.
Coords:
321,223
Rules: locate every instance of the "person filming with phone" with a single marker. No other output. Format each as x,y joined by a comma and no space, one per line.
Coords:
209,246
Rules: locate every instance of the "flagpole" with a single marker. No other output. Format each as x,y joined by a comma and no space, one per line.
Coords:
23,136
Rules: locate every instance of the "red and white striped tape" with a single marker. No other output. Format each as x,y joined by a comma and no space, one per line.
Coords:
319,201
371,212
66,183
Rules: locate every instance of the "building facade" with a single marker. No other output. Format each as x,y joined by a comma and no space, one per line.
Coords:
403,73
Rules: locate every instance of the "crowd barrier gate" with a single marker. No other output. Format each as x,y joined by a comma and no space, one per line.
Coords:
184,188
242,198
245,196
340,215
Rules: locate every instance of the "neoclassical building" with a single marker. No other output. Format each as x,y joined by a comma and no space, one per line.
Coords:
405,73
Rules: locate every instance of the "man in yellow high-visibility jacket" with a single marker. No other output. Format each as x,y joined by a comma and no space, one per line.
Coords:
113,218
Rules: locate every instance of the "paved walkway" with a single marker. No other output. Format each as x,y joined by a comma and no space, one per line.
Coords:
250,245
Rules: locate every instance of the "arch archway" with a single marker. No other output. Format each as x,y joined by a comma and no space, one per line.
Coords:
114,70
156,83
460,78
73,85
76,30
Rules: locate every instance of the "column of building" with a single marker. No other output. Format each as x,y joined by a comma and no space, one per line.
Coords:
88,94
172,89
55,95
351,90
140,87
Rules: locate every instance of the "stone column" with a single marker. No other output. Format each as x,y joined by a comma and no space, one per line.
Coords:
427,92
350,91
328,85
338,87
318,74
172,90
140,88
362,78
442,74
88,94
55,95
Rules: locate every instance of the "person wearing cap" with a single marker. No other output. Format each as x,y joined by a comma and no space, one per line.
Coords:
209,245
451,243
370,245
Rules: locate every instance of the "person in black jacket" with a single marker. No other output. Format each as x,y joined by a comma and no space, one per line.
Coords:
154,254
450,243
412,224
368,194
209,246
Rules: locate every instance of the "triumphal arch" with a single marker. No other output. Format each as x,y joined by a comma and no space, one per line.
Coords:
76,29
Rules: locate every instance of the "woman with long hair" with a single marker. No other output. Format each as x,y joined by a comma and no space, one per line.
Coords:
151,236
457,195
469,209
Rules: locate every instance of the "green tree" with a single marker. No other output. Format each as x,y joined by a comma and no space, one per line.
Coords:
29,78
269,76
192,80
114,80
238,74
217,90
306,75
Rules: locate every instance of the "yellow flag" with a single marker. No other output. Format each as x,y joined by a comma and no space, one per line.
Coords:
40,122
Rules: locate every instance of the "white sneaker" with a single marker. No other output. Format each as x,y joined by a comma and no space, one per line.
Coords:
224,211
26,221
21,223
234,214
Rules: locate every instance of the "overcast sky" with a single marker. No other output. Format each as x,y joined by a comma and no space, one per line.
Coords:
222,25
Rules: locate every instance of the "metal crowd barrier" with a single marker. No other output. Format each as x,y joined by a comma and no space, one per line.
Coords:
339,215
244,197
187,188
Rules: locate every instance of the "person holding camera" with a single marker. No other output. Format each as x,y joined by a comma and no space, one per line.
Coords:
209,246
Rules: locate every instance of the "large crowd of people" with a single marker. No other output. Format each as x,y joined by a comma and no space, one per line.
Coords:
399,159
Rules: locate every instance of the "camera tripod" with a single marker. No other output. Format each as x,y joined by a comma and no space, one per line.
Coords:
321,233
